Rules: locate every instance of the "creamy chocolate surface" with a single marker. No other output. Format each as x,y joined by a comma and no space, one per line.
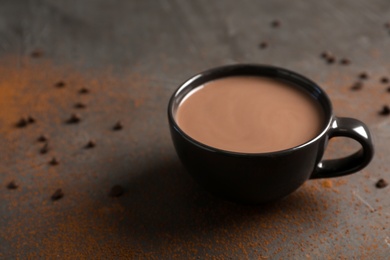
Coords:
249,115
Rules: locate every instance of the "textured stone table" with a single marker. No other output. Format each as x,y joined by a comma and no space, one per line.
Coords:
131,55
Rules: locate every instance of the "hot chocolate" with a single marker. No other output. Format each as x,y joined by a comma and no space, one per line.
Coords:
250,114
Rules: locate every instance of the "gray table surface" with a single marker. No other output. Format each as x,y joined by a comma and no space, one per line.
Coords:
132,55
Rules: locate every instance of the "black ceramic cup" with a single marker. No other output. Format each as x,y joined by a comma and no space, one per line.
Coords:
264,177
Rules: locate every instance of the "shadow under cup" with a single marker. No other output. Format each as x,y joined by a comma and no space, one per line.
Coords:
263,177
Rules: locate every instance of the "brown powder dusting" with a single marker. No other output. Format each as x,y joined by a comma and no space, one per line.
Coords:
163,214
327,183
69,229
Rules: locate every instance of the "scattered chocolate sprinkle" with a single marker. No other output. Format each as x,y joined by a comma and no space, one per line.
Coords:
84,91
263,45
58,194
74,119
37,53
54,161
381,183
22,122
90,144
44,149
331,59
385,80
345,61
31,120
80,105
60,84
42,138
385,111
388,89
275,23
325,54
118,126
116,191
363,75
12,185
357,86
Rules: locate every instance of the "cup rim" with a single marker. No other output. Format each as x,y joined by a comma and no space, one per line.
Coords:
231,69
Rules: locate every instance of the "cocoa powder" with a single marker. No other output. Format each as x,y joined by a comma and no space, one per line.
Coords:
162,214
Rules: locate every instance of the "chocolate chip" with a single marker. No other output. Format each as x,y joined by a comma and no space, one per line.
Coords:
42,138
363,75
331,59
116,191
58,194
385,80
60,84
357,86
37,53
385,111
381,183
12,185
263,45
275,23
74,119
90,144
44,149
84,91
345,61
118,126
31,120
80,105
325,54
54,161
22,122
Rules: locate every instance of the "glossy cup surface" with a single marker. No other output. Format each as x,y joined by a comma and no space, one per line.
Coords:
264,177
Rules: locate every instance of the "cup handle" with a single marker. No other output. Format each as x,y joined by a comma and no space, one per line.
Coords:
351,128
